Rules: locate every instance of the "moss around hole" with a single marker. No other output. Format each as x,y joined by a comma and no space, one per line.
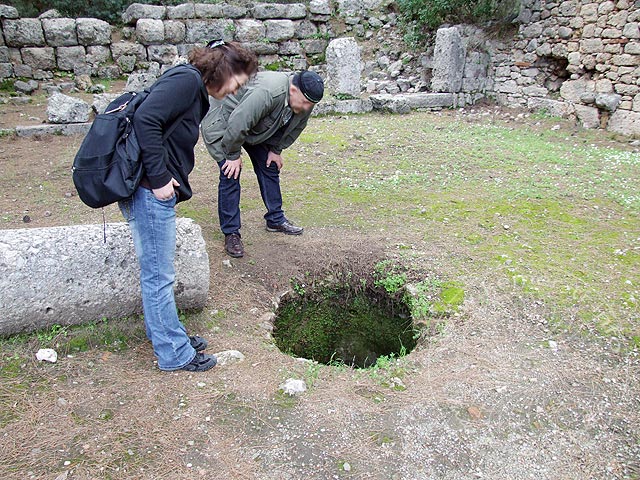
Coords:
340,326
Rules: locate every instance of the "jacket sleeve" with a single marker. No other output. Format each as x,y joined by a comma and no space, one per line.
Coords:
255,105
169,98
291,136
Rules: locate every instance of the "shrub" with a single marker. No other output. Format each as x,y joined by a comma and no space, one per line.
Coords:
420,18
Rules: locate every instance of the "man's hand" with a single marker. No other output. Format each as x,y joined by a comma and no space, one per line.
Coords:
231,168
276,158
166,192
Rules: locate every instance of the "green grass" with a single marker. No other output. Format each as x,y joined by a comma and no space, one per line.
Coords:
551,213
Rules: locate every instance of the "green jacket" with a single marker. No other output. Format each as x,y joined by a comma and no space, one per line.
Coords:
254,116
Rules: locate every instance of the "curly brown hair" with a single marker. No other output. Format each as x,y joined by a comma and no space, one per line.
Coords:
218,64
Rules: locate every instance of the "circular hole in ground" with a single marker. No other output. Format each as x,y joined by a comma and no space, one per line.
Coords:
343,325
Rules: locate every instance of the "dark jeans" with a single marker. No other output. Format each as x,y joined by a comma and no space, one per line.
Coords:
269,182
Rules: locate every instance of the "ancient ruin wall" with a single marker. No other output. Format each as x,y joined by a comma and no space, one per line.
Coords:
575,58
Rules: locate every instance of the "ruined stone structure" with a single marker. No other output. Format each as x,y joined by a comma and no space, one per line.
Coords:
574,58
71,275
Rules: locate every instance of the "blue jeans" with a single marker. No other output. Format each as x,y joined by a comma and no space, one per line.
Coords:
153,228
269,183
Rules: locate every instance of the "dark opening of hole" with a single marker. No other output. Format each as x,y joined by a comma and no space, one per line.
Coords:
341,326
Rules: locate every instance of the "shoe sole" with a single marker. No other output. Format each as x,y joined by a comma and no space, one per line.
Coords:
269,229
234,255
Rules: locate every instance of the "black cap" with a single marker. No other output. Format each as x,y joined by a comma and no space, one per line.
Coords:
310,84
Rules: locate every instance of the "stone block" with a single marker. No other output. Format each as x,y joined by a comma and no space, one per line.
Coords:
314,46
320,7
163,54
92,31
7,11
625,122
202,31
65,109
551,107
305,29
174,31
626,60
185,10
428,100
70,275
344,66
128,48
150,31
249,30
208,10
342,107
66,129
69,58
632,48
293,11
60,32
389,103
39,58
631,30
279,30
591,45
589,117
136,11
23,32
261,48
448,61
234,11
572,90
6,70
290,47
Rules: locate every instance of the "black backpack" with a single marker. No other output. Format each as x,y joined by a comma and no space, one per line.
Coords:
107,167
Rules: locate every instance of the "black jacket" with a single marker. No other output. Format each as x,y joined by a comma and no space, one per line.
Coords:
180,91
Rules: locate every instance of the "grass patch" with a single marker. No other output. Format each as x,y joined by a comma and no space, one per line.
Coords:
553,214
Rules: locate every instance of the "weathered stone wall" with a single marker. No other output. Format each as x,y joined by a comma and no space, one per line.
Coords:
284,36
575,57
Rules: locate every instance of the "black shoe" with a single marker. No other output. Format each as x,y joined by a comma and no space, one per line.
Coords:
233,245
201,363
286,227
198,343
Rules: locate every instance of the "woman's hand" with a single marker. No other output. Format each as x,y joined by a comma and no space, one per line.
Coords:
166,192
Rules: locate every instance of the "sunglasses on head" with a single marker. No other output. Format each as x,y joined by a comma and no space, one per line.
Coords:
215,43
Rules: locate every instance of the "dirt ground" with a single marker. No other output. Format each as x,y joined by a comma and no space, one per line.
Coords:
489,398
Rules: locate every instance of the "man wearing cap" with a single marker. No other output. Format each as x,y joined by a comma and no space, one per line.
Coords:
264,117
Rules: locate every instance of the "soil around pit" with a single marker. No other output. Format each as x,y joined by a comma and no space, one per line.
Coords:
496,394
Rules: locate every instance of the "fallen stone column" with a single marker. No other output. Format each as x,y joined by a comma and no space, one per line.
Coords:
69,275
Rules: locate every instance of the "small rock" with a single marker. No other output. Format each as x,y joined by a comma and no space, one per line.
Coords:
474,413
47,354
26,219
229,357
293,386
227,263
553,345
346,467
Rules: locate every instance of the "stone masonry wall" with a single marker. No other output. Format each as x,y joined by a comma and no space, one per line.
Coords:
575,57
578,58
